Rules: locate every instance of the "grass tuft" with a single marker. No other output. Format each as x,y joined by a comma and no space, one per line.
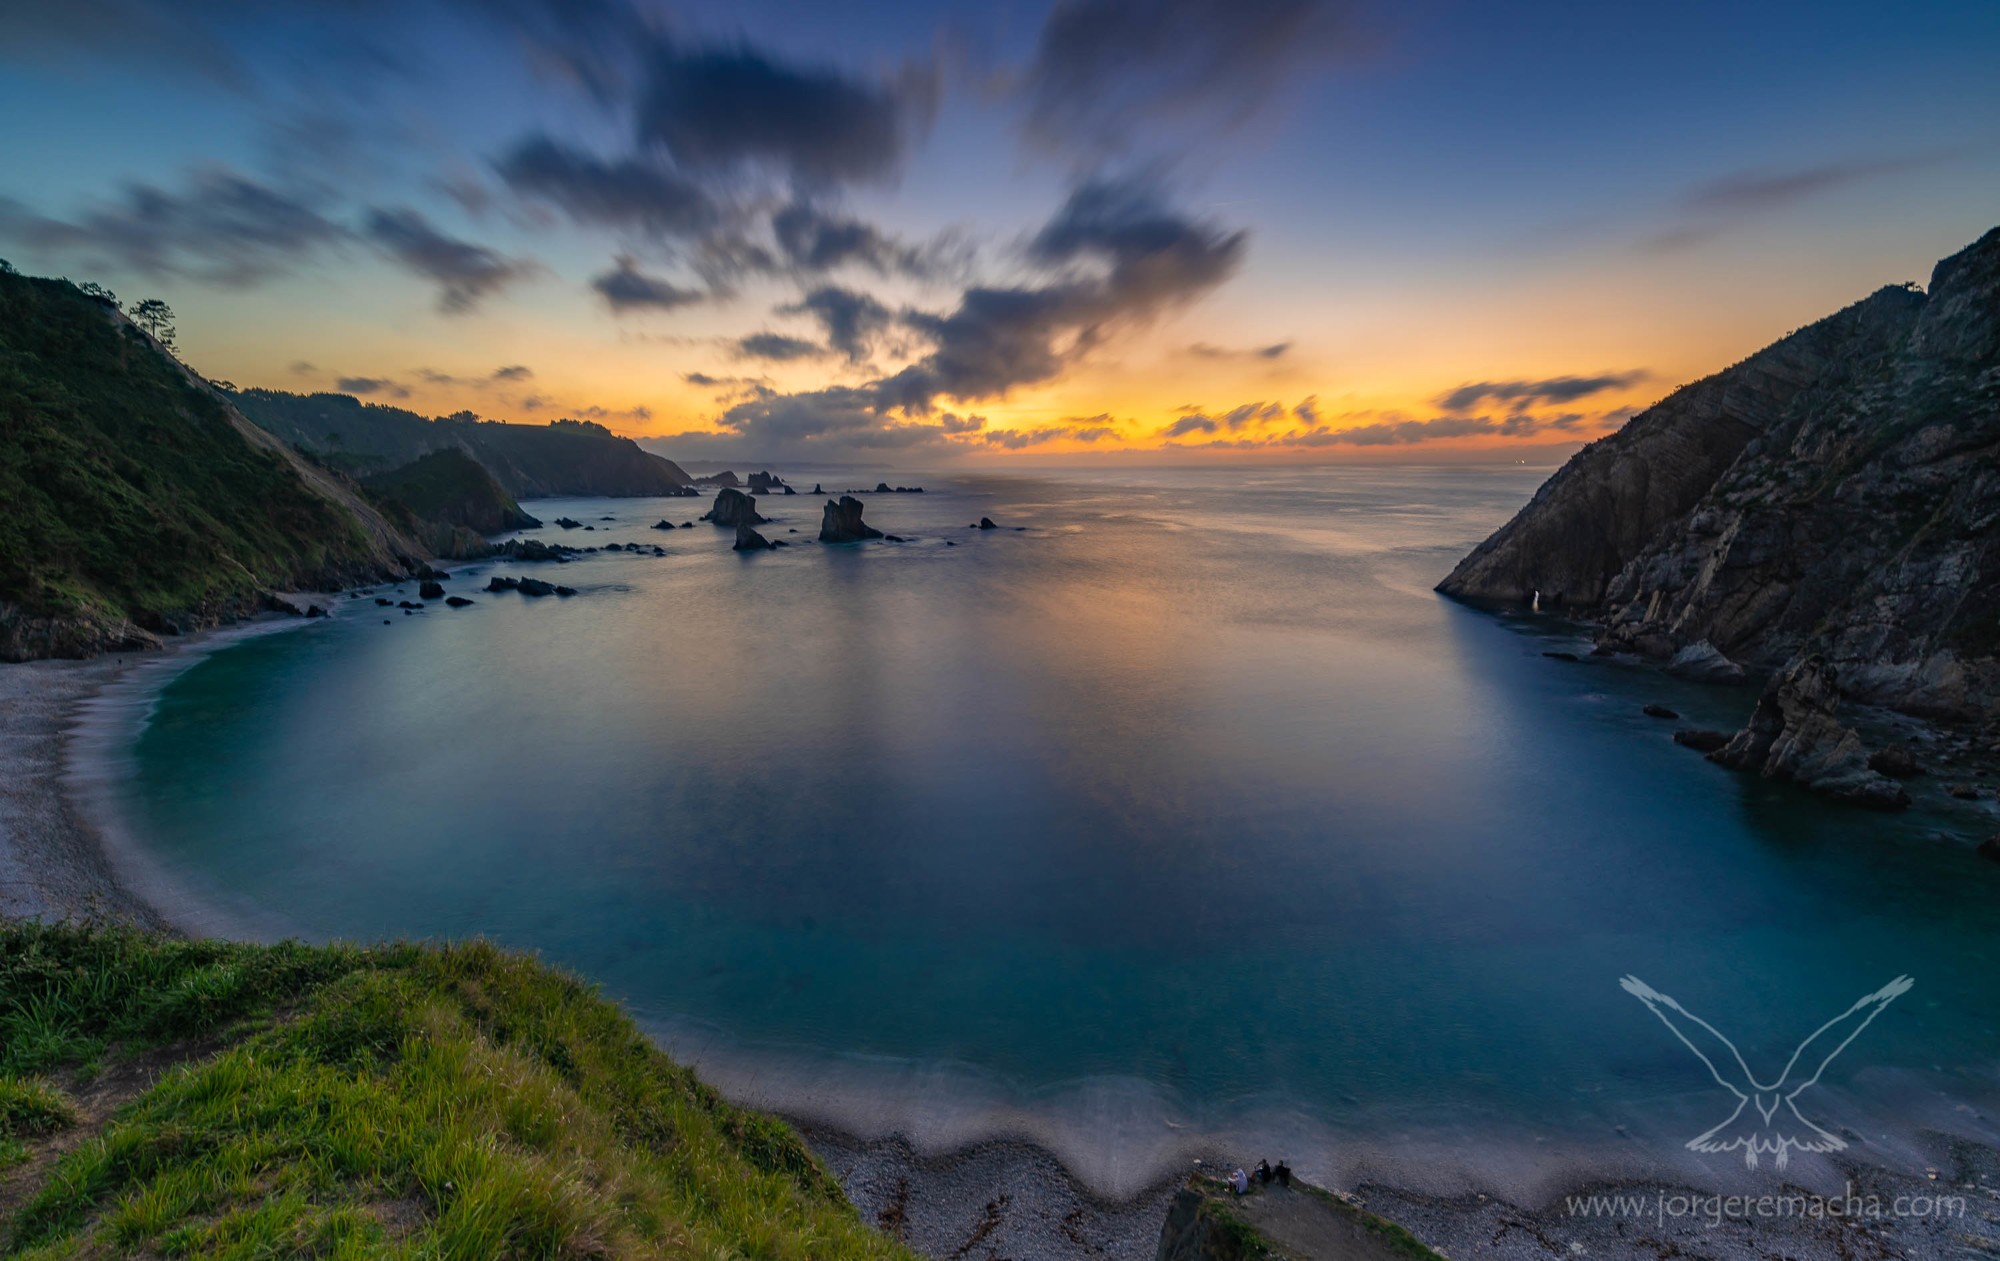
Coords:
455,1101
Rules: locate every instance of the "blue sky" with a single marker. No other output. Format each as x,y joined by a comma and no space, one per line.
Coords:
1053,228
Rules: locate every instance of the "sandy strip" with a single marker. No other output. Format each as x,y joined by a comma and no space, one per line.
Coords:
52,857
1015,1199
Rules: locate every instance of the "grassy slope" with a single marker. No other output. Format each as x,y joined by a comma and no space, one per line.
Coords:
127,491
452,487
565,458
393,1101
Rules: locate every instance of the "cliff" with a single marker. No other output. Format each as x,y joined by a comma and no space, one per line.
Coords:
138,502
393,1101
449,503
1836,493
567,457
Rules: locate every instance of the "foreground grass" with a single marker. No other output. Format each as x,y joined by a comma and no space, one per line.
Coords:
394,1101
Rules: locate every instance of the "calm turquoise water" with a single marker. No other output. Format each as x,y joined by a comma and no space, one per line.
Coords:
1194,784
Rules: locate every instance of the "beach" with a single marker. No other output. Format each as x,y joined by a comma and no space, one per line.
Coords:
967,1196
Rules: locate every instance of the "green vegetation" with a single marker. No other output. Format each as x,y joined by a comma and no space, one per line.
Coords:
127,495
568,457
451,487
393,1101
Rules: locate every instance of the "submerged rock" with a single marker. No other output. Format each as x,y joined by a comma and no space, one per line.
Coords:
1793,735
569,523
1659,711
748,540
986,523
734,508
499,584
314,610
430,591
457,601
664,524
1989,849
1701,740
535,587
841,522
1896,761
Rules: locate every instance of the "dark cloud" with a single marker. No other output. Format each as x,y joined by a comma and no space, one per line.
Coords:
851,320
1202,350
700,378
627,193
1751,191
516,372
1092,430
1715,207
1140,259
627,288
303,368
951,422
464,272
778,347
221,227
1104,70
1185,425
815,419
371,385
812,239
717,109
1521,394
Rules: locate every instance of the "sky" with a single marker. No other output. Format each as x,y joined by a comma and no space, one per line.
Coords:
909,233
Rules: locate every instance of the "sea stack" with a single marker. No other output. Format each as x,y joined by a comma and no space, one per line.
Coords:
841,522
732,508
748,540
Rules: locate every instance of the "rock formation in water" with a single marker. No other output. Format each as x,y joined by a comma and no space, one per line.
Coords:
841,522
1794,735
1837,493
733,508
748,540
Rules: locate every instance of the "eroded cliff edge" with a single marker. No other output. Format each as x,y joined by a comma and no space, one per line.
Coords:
1835,493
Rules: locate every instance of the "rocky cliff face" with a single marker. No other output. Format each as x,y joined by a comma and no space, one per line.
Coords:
1836,493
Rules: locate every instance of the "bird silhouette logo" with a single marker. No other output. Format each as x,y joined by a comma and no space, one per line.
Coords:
1773,1125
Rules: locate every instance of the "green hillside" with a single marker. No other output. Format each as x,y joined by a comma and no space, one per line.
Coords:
569,457
133,502
170,1098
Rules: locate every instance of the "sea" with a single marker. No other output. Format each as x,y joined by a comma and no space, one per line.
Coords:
1175,817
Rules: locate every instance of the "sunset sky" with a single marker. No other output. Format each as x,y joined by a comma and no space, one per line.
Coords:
912,232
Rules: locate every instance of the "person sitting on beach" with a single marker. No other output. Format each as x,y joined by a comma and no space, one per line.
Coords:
1284,1172
1239,1182
1263,1174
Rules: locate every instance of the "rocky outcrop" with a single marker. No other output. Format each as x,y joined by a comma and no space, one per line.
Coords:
1794,735
536,550
841,522
748,540
1837,493
734,508
430,590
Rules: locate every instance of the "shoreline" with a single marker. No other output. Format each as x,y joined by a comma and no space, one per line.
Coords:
994,1180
